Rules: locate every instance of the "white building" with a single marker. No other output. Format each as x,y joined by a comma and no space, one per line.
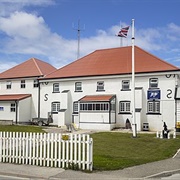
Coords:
19,90
94,92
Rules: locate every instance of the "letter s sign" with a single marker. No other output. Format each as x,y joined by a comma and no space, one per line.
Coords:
45,97
169,93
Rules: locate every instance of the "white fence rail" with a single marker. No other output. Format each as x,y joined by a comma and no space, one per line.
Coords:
53,150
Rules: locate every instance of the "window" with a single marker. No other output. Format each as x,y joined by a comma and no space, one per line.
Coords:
23,84
154,107
75,107
56,87
104,106
1,108
124,106
36,83
78,87
153,83
55,107
113,105
100,86
13,107
125,85
8,84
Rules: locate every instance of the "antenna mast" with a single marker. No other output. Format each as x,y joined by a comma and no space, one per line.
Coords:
78,35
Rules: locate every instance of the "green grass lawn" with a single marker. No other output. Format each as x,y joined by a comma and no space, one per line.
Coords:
115,150
20,128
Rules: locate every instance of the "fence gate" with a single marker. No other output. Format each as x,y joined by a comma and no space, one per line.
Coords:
53,150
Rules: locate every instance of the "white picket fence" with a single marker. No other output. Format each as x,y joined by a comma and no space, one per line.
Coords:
53,150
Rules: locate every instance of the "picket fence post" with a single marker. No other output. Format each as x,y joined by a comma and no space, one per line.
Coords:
51,149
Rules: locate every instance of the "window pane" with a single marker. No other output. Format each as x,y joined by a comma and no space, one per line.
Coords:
55,107
23,84
153,83
13,107
78,86
75,107
56,87
100,86
125,106
36,83
154,106
125,85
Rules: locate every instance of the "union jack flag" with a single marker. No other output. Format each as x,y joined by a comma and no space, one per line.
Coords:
123,32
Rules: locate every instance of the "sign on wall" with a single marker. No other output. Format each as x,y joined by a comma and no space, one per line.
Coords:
154,94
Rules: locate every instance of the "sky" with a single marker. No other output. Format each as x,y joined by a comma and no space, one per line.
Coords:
48,29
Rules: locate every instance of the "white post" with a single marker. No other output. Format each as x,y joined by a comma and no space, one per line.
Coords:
174,134
134,128
157,134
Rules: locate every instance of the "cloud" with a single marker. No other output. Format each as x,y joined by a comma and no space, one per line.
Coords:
9,6
26,33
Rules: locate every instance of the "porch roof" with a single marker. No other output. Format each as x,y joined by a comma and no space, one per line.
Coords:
14,97
95,98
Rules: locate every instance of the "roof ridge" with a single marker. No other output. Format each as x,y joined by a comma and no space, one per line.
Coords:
34,60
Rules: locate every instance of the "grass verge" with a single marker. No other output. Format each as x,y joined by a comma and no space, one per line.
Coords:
21,128
114,150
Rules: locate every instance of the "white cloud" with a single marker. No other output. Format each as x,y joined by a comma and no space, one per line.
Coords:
9,6
27,33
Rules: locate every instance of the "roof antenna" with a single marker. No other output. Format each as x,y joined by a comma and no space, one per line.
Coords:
78,35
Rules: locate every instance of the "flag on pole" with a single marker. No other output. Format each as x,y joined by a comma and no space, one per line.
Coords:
123,32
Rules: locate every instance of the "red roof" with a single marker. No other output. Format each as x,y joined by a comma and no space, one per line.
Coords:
30,68
112,62
91,98
14,97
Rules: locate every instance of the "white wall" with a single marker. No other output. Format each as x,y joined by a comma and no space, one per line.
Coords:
24,110
16,89
113,85
7,114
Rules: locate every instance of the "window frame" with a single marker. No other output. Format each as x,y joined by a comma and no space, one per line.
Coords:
35,83
99,86
153,83
94,106
153,107
8,84
13,107
124,107
23,84
56,89
78,86
55,107
124,88
75,107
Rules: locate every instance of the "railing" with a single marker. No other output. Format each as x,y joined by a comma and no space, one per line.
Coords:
73,151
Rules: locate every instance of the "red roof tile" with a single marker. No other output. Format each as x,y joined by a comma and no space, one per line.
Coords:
96,98
30,68
14,97
112,62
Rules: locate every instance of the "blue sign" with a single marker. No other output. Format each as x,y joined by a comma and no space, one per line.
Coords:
154,94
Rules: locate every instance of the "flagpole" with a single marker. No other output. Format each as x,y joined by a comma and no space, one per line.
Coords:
134,128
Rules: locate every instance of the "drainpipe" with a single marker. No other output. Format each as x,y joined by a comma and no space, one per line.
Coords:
16,103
